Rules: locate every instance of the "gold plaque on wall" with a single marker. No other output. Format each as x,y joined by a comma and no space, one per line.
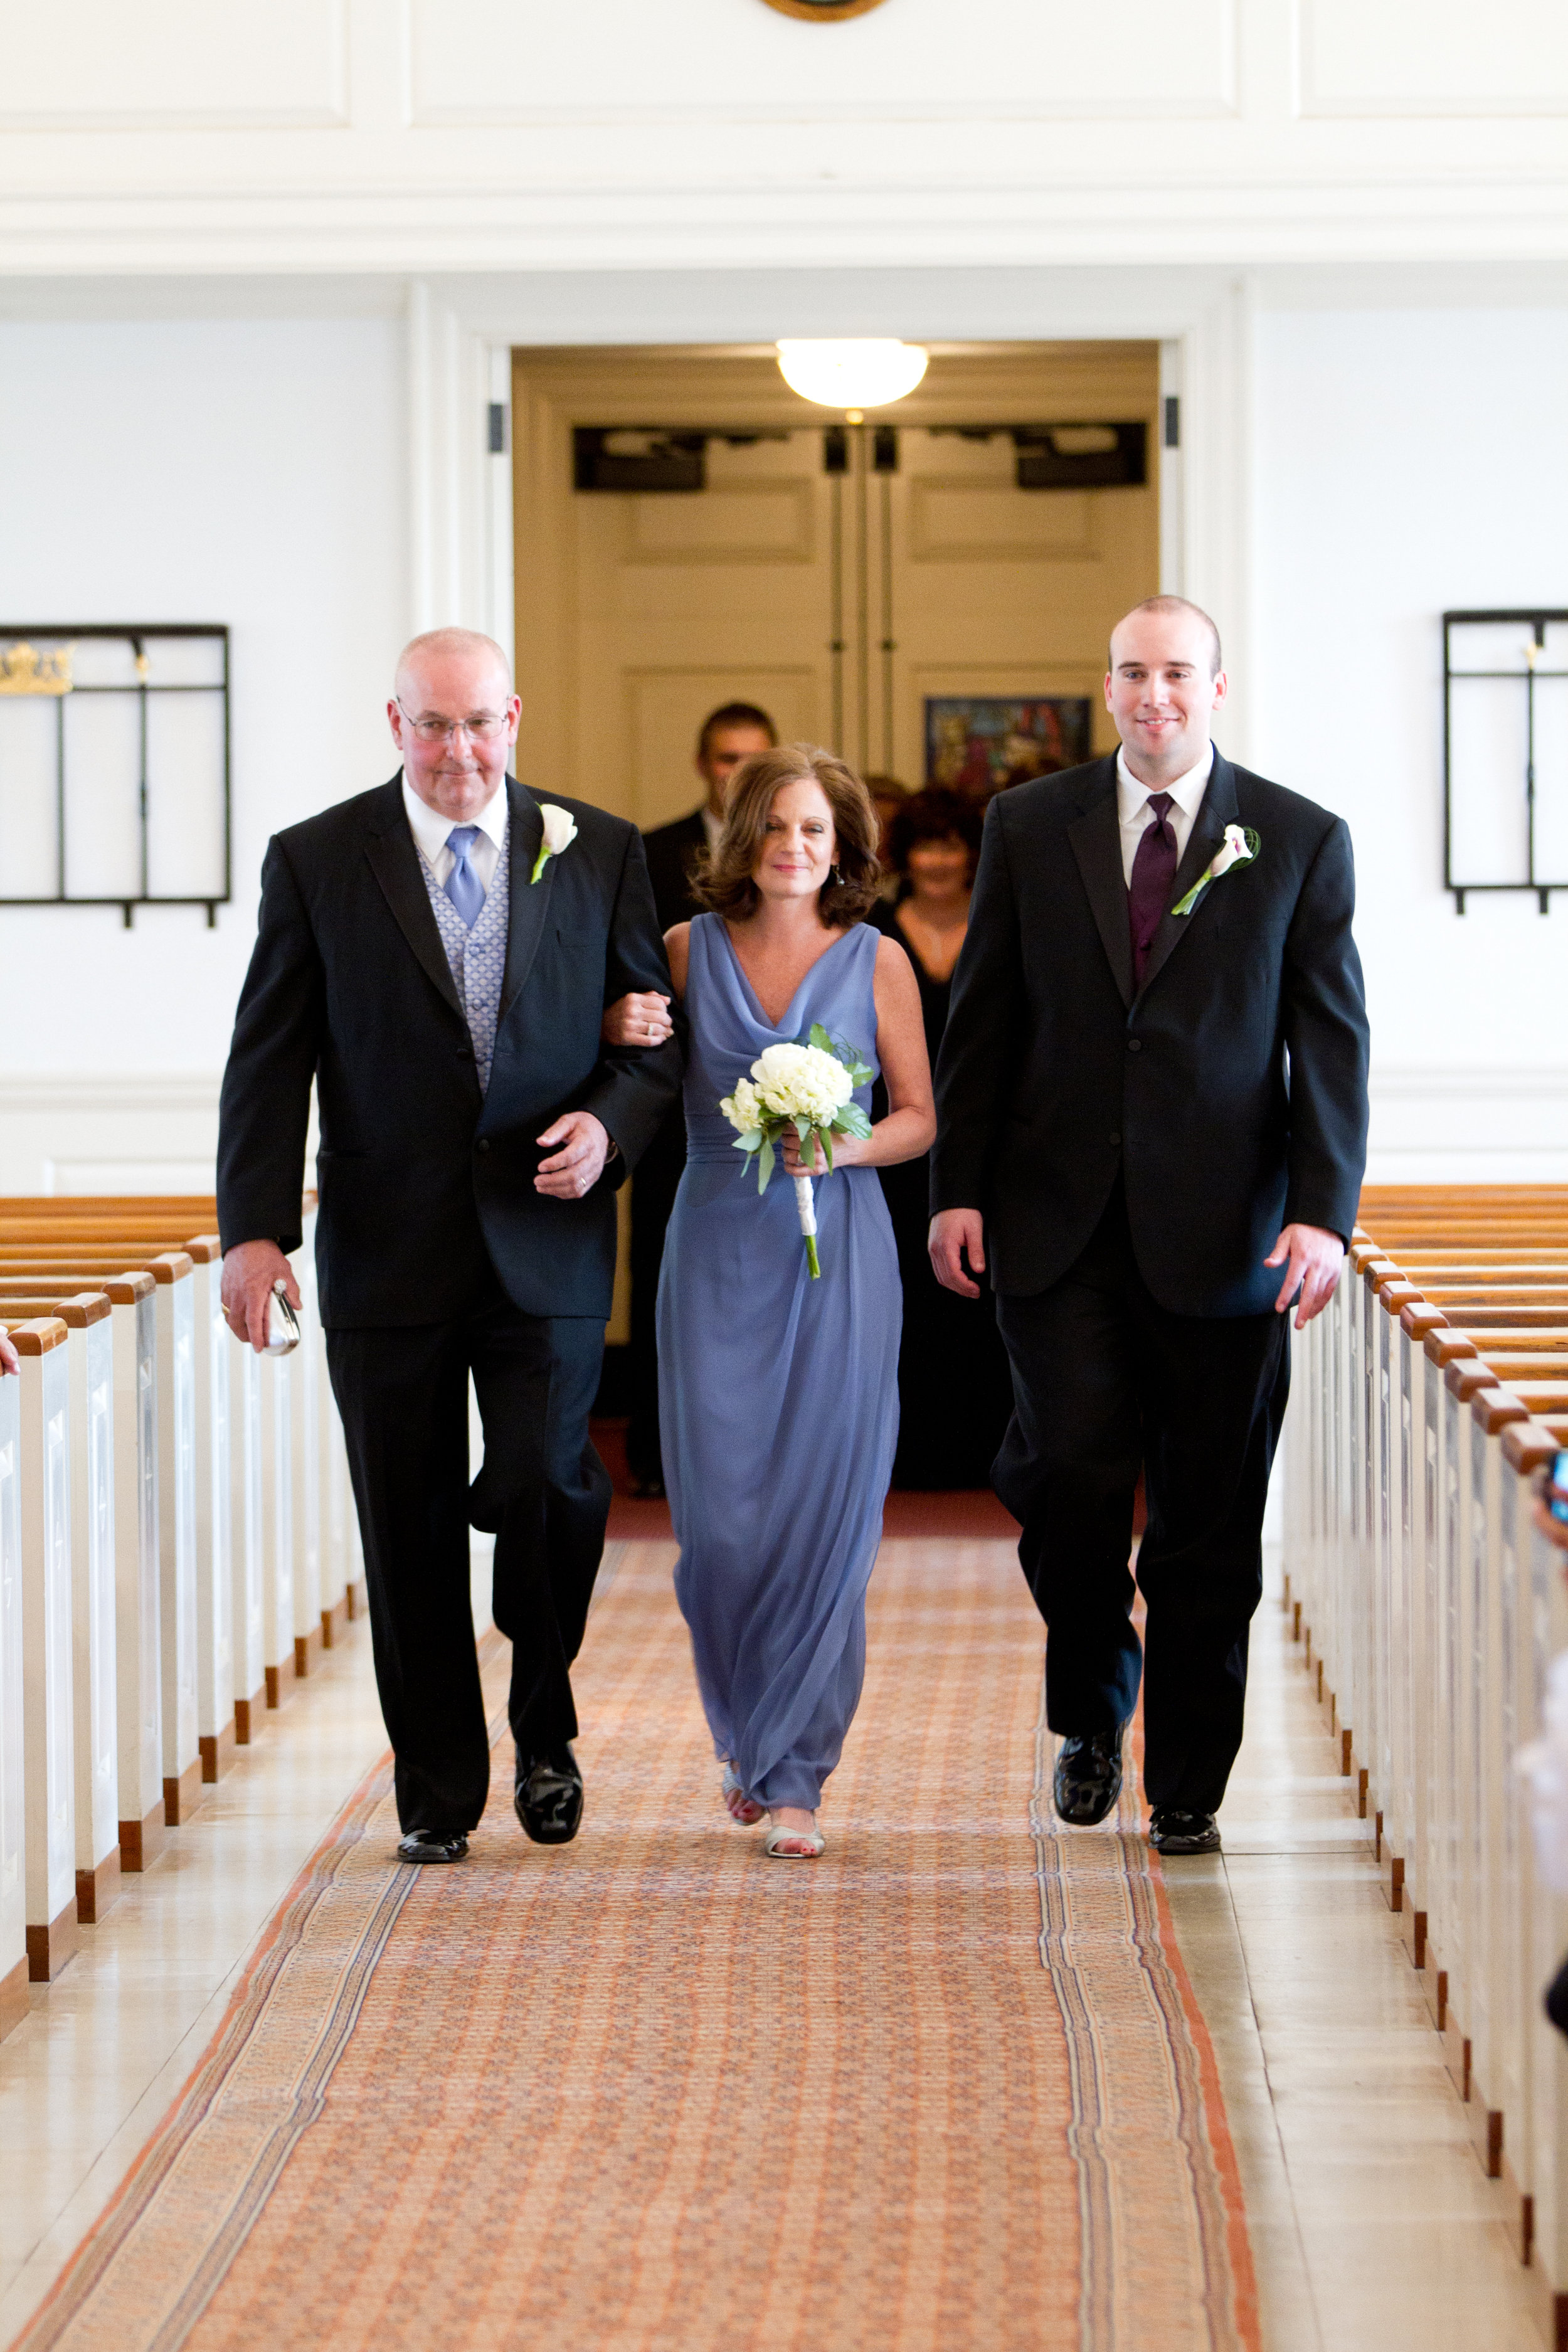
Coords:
822,12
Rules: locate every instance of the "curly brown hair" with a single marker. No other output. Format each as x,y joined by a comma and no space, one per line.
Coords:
723,881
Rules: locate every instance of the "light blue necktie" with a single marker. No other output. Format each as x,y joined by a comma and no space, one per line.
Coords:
463,885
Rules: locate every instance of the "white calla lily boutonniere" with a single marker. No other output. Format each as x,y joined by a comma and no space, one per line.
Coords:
559,833
1239,847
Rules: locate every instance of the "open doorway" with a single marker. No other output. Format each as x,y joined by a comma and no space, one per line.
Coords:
928,591
689,532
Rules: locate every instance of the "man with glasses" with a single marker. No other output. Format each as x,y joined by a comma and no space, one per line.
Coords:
437,955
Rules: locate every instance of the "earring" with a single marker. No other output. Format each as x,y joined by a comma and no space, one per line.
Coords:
838,879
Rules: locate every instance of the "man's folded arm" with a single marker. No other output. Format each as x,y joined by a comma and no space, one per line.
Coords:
634,1087
976,1061
265,1111
1327,1034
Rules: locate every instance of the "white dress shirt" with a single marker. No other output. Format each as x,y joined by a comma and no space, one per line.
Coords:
1135,815
430,829
713,827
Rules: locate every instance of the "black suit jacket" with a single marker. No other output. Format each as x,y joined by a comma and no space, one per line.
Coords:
671,851
1230,1090
424,1183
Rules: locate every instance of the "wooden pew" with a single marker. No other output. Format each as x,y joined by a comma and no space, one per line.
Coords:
133,1475
159,1484
48,1743
1434,1607
90,1347
177,1407
326,1584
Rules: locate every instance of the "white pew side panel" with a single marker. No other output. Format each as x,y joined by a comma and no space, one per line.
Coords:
49,1759
13,1869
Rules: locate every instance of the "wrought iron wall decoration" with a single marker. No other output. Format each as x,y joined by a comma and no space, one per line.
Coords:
1505,752
115,766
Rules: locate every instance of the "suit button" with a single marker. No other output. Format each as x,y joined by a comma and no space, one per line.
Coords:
1135,1045
483,1144
1116,1141
465,1053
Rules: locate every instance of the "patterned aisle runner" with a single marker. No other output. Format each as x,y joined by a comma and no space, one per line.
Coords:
652,2092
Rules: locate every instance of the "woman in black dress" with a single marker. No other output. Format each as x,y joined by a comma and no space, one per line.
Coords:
955,1392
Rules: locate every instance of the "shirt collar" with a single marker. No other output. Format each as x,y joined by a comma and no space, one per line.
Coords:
430,828
1187,791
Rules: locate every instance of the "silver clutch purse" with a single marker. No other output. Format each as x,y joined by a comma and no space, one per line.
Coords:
282,1324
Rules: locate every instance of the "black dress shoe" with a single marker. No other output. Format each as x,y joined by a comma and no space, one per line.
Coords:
549,1796
1171,1831
1088,1777
432,1845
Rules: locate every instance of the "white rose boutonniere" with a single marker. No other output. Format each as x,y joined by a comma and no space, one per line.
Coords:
559,833
1239,847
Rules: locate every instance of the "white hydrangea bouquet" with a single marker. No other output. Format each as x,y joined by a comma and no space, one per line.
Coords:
809,1088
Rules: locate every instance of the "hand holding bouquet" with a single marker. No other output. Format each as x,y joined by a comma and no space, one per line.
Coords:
806,1089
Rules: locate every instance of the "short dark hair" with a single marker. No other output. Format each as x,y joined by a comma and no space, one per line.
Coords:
886,788
935,815
1174,604
734,714
724,882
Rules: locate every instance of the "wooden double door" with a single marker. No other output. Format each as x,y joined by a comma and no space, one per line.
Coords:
689,532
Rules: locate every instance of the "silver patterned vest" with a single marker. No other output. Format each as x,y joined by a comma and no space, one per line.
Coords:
478,958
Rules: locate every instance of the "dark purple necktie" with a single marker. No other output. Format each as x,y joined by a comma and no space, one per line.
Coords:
1149,892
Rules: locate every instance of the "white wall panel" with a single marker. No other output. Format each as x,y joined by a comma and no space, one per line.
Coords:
242,471
488,61
1434,56
1402,469
168,62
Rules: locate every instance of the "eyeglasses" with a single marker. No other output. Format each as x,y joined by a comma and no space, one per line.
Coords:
484,728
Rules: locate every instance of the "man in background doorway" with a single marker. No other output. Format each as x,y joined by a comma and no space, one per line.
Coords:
735,732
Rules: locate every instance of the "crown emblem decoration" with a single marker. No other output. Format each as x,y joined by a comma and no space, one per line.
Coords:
24,670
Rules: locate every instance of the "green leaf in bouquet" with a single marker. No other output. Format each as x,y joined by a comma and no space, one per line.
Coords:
764,1163
826,1135
852,1120
817,1035
749,1143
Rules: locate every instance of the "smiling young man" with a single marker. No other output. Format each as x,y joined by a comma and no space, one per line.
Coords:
1151,1107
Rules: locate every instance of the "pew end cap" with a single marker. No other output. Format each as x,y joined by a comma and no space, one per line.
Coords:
36,1337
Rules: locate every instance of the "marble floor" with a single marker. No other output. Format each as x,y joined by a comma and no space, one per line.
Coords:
1372,2222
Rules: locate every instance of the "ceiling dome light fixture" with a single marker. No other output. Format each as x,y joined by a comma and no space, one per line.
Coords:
869,373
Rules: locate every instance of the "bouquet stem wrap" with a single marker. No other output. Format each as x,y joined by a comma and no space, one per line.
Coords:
805,1090
807,1210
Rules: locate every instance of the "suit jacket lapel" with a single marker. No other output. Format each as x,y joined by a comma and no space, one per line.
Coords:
394,861
1218,810
530,900
1096,838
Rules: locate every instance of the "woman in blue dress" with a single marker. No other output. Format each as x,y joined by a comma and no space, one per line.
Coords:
779,1393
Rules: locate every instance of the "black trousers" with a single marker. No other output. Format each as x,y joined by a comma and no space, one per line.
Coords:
1106,1381
654,1187
403,1398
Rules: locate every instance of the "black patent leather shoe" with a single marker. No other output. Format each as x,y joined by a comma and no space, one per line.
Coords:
549,1796
432,1845
1088,1777
1171,1831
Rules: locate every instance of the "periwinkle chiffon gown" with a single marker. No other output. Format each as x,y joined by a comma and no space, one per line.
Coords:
778,1395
